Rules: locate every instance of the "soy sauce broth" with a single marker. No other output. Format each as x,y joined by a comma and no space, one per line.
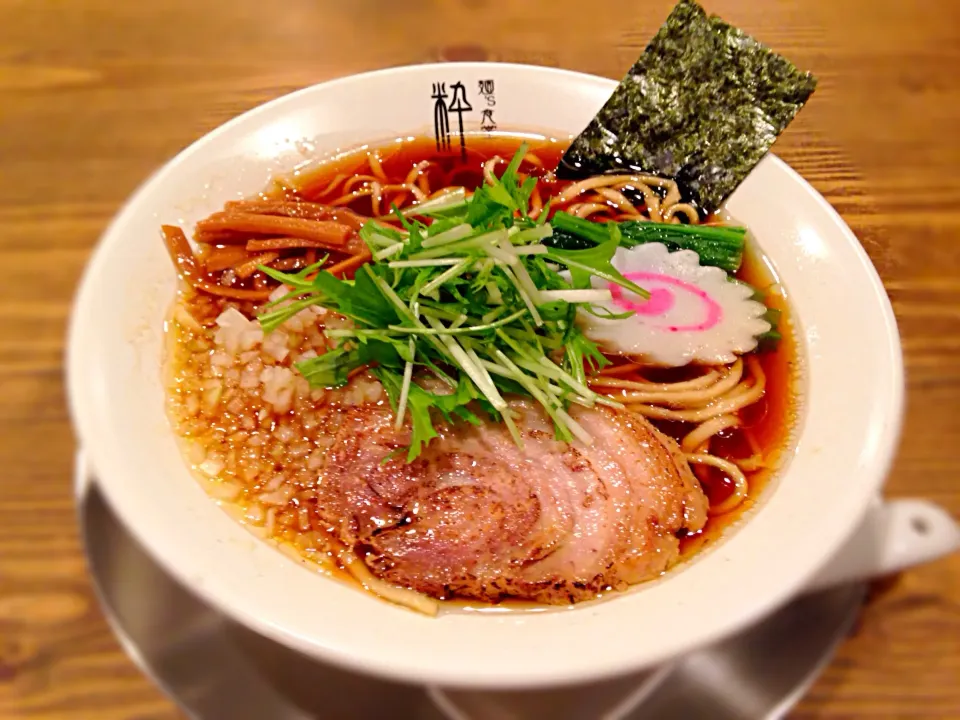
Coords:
767,424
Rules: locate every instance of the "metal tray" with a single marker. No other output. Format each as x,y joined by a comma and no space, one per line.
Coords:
215,669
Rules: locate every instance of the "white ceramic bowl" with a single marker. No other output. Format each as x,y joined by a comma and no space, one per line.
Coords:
847,434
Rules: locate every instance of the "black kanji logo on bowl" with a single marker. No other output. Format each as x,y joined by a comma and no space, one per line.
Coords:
441,117
444,104
486,120
486,88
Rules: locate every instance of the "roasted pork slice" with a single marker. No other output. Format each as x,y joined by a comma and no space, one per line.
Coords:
476,516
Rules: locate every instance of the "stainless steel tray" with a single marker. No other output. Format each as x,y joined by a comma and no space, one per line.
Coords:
214,669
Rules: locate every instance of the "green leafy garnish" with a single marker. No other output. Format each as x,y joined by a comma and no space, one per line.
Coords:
459,300
719,246
771,338
595,261
454,315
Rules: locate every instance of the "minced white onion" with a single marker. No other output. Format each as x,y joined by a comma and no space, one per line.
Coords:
237,333
250,378
273,483
280,292
278,385
212,466
255,514
223,490
271,521
316,459
275,345
303,518
221,359
284,433
280,496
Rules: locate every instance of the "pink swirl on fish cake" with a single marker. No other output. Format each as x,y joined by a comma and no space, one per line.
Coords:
662,299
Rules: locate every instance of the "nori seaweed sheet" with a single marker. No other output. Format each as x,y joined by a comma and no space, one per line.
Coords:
702,105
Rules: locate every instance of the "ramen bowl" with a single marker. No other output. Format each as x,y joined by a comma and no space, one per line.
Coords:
846,433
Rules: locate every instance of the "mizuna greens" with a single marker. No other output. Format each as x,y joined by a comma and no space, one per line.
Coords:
454,315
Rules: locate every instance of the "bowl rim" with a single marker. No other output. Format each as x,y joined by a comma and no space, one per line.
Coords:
828,541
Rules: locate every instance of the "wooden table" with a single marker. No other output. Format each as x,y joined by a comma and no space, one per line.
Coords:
94,94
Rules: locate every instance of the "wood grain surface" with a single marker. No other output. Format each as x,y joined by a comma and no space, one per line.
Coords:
95,94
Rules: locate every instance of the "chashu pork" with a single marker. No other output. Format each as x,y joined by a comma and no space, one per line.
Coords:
476,516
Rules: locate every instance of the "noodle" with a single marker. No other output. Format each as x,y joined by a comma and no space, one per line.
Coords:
752,463
607,379
531,158
711,401
585,210
419,194
309,191
488,168
644,184
302,220
619,200
626,368
373,158
536,203
737,399
350,197
741,487
356,180
700,437
417,171
376,195
686,209
691,397
394,593
423,182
